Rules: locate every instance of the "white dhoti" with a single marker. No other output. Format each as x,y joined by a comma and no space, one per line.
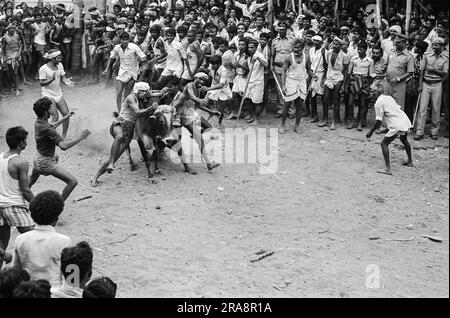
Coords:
294,89
316,87
255,92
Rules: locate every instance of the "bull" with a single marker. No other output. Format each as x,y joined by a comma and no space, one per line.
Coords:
154,134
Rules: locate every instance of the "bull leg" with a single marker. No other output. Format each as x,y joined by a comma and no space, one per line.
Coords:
155,160
146,157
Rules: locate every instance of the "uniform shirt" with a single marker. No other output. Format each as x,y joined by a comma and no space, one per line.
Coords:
46,138
280,49
398,64
360,66
39,253
129,59
439,62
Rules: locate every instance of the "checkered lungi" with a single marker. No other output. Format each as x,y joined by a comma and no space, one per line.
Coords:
17,216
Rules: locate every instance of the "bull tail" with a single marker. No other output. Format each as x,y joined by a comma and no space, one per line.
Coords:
115,114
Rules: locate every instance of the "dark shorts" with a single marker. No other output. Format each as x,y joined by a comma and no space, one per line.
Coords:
127,128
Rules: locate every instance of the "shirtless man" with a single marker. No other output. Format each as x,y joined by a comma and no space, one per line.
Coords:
122,127
12,49
185,103
50,76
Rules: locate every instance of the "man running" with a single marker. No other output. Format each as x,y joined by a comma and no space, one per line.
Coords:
185,103
46,161
50,77
130,55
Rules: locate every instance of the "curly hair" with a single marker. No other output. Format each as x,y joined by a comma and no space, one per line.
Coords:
33,289
10,278
80,255
102,287
41,106
46,207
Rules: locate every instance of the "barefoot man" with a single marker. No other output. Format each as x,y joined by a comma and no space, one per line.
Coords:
296,70
14,190
122,128
46,161
396,121
185,103
50,77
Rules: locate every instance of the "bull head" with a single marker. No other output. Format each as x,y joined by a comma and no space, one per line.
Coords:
163,121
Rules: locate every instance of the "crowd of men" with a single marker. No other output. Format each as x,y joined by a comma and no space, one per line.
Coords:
222,57
337,56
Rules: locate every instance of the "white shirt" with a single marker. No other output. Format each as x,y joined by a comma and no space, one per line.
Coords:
387,45
175,53
39,253
387,109
39,38
66,291
129,59
52,90
257,75
248,11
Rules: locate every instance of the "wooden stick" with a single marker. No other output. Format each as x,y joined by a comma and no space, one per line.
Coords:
245,93
278,84
83,198
417,108
262,257
273,173
122,241
380,26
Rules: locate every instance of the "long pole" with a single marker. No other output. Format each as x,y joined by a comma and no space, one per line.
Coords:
379,25
300,7
408,15
417,109
245,93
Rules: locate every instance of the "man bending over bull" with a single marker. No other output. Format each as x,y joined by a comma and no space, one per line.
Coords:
122,127
185,103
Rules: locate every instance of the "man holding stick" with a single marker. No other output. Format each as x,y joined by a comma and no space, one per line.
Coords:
254,95
318,64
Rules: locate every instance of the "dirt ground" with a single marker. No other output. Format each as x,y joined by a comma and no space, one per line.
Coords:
330,219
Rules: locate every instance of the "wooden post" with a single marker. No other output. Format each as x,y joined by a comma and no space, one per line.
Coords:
408,15
300,7
270,10
379,24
